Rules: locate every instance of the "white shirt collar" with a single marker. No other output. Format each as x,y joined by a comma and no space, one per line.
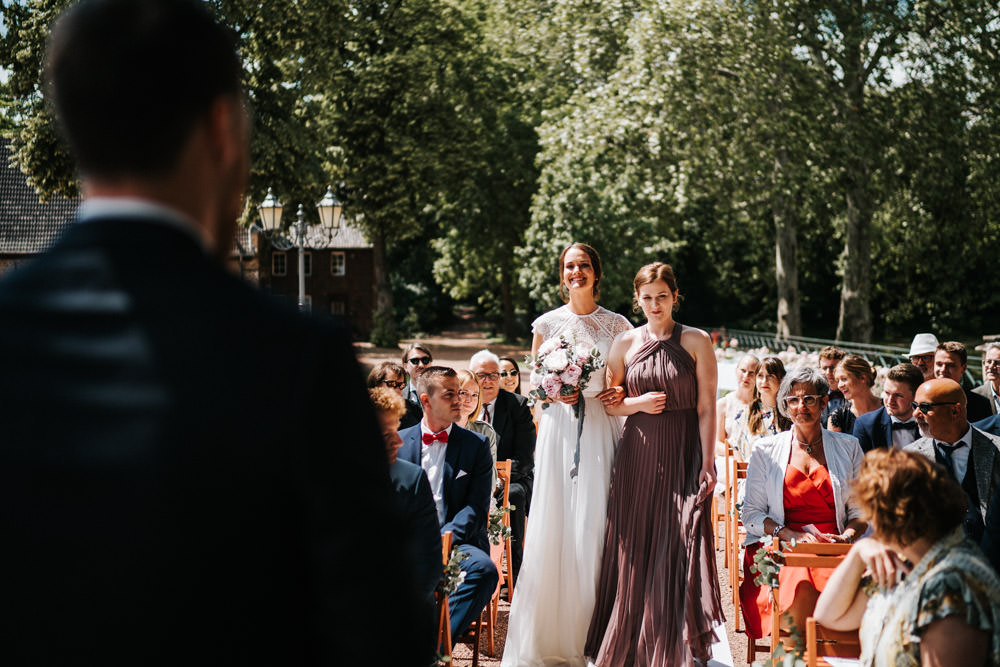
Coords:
134,207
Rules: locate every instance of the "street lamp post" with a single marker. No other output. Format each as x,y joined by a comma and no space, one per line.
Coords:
330,211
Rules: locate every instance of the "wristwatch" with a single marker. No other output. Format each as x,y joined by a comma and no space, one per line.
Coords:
777,529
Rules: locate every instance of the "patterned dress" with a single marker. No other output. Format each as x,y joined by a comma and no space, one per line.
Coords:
658,596
952,579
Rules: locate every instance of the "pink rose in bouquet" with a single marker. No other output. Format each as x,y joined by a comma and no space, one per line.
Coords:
571,375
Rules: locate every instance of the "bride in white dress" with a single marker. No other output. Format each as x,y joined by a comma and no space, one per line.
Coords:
555,593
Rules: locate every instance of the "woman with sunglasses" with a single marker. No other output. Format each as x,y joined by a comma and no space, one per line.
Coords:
798,488
470,405
416,357
391,375
510,375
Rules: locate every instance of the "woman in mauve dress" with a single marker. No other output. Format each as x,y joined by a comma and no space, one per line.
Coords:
658,594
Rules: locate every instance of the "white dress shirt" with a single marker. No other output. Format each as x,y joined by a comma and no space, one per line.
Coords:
901,437
432,461
960,456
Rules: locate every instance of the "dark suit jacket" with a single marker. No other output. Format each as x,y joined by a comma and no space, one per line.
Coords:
186,467
514,426
414,412
978,407
416,504
986,392
468,470
874,430
986,455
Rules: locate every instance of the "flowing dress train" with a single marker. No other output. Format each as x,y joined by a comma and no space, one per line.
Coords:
554,596
658,597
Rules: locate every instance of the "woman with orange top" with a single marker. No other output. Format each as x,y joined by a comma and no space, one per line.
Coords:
798,485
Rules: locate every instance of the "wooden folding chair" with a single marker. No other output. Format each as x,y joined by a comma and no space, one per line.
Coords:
823,642
444,616
736,536
720,509
503,472
817,555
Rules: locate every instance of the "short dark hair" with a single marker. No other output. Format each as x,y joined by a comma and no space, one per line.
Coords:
415,346
128,80
431,377
956,348
908,374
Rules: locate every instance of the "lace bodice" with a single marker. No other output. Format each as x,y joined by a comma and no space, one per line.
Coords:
598,329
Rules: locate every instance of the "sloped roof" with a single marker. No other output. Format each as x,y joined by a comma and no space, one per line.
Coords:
348,236
27,226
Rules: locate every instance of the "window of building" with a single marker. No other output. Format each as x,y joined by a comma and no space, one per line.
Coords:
279,264
338,306
338,263
307,262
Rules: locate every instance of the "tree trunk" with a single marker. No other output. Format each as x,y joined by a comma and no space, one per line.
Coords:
509,328
855,321
384,333
786,252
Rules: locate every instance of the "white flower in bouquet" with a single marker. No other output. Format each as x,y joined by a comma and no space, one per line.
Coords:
535,379
548,346
556,361
582,354
571,375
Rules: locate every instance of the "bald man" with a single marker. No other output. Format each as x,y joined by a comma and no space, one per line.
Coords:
972,456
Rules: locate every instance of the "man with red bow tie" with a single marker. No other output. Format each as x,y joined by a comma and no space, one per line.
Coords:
459,466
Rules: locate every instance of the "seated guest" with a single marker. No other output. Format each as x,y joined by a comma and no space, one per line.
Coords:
829,357
855,379
970,456
458,466
921,354
392,375
946,611
990,389
892,425
471,405
413,496
731,410
762,418
416,357
510,375
797,489
950,361
510,417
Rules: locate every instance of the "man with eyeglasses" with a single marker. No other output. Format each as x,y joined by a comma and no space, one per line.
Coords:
829,357
990,389
921,354
971,456
510,417
892,425
950,361
416,357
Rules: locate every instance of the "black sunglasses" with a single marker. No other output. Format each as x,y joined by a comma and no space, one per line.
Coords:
420,361
508,374
394,384
927,407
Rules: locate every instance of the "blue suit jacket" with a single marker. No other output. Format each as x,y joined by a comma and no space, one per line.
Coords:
991,425
467,479
416,505
874,430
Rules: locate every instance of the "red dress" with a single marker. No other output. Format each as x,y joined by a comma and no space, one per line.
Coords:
807,499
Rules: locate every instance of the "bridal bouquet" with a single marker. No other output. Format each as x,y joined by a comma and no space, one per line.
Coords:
561,368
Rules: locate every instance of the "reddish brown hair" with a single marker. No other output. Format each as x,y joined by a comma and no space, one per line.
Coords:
650,274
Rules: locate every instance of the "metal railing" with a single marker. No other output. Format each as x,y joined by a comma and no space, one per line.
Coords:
880,355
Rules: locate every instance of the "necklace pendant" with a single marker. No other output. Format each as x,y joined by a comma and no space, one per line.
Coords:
809,449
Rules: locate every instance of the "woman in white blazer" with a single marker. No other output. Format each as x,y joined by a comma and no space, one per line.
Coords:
798,487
